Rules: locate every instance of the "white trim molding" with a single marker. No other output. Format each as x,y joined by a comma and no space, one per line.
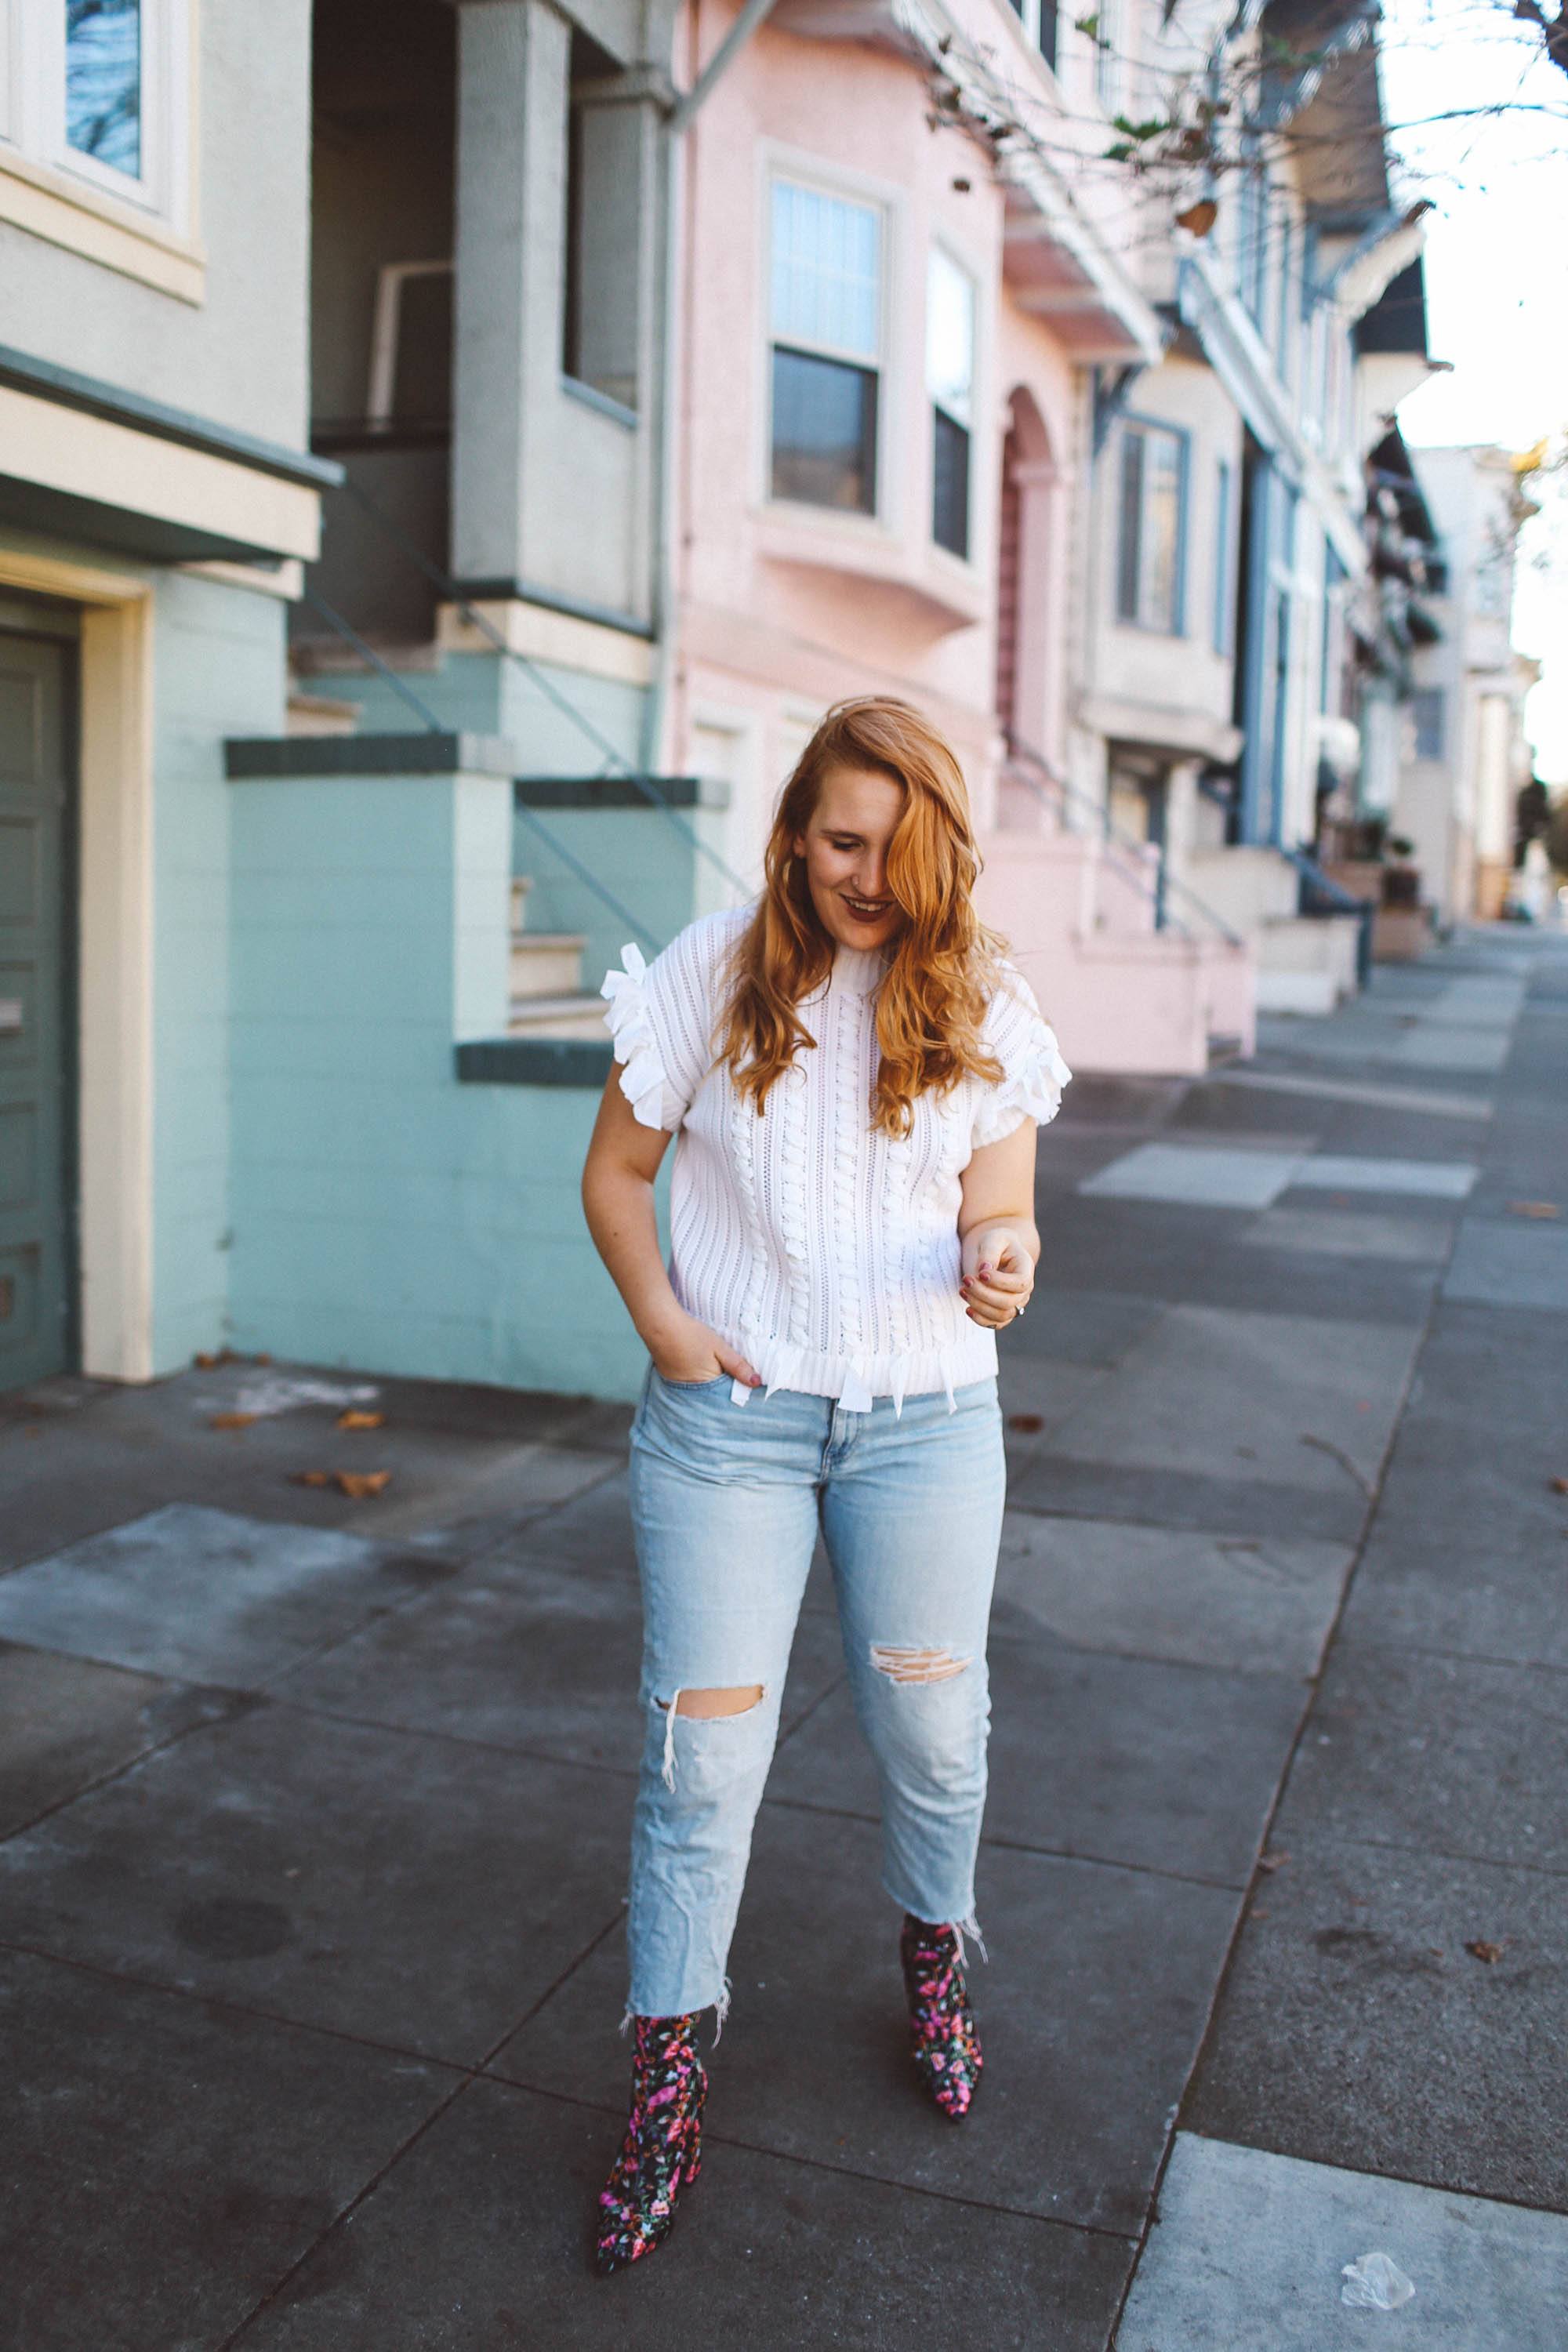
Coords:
115,955
68,450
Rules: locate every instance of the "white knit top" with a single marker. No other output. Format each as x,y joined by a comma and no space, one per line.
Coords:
825,1250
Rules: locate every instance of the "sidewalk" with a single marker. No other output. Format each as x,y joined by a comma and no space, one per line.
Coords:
314,1811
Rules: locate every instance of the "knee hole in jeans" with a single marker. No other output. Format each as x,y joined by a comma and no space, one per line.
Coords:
911,1665
708,1707
706,1704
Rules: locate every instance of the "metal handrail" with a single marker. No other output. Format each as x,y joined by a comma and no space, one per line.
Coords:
435,726
615,761
1165,880
1313,876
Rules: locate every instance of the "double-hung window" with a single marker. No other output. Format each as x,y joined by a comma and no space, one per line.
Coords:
95,89
950,384
1151,527
826,347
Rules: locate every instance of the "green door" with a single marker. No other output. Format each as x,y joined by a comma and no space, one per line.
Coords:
36,1221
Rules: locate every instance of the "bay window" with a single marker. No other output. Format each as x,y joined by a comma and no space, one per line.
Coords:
826,348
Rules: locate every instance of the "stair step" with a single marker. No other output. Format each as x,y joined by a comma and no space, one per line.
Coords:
577,1015
547,963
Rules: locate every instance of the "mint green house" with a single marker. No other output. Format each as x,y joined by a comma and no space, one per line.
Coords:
308,876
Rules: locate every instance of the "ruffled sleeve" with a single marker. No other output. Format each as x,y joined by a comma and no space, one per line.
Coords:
660,1018
1034,1072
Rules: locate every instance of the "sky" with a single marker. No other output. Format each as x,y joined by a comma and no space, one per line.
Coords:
1480,122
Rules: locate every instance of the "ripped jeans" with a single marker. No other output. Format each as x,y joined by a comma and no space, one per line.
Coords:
725,1511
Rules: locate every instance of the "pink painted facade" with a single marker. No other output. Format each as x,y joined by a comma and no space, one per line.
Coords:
780,606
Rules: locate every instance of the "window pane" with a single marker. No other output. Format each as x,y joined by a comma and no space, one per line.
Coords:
1162,530
1223,619
1130,533
1428,706
825,432
103,81
603,195
826,271
950,337
950,485
1049,32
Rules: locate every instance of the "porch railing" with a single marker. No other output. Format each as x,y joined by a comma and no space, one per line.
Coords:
1052,789
1318,893
613,761
435,726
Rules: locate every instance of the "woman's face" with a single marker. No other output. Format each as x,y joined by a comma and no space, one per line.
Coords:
845,849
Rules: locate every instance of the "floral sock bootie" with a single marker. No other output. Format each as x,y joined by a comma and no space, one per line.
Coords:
662,2151
945,2044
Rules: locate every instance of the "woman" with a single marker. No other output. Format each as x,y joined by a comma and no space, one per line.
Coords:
855,1074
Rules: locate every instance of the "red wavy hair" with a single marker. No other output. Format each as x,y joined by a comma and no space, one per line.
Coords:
945,963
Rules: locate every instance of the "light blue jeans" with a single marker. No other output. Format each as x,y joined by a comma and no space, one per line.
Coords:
725,1508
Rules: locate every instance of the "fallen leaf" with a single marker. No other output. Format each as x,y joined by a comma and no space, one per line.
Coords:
1273,1861
312,1477
352,1420
205,1363
261,1360
1487,1952
1560,1486
1025,1424
231,1421
359,1485
1257,1913
1533,1209
1199,218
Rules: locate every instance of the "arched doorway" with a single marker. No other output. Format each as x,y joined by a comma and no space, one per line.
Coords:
1024,555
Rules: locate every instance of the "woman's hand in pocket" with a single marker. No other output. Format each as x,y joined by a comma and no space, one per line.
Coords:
688,1352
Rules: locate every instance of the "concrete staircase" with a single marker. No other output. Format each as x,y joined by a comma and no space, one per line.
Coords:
548,999
1306,963
1124,996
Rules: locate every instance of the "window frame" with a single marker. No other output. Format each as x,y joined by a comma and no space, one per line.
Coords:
34,126
1133,422
778,164
1035,16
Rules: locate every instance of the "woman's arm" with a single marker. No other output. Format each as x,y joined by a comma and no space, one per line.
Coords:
623,1158
996,1228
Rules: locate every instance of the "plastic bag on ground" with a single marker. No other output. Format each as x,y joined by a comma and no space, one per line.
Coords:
1376,2282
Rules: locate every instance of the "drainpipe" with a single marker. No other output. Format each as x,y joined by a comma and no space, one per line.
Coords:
676,123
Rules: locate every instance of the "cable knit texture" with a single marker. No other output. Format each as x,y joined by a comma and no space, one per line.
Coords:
824,1250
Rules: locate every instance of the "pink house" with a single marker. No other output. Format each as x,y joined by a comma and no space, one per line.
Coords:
892,312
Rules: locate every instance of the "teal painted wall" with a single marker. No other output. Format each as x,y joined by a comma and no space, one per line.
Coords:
386,1217
642,858
217,656
491,694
